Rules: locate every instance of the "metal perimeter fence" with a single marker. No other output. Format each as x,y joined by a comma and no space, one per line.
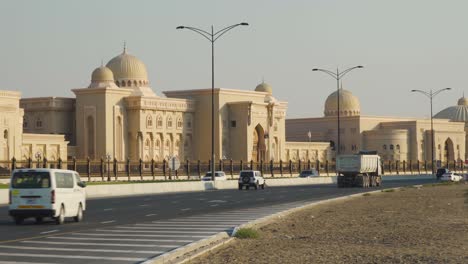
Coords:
114,170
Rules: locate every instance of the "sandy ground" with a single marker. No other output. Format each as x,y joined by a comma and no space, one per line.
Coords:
410,225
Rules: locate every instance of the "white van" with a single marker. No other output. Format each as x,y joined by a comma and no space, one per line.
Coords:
43,193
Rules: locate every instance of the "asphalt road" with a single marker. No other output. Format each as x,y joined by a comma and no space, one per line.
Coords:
189,215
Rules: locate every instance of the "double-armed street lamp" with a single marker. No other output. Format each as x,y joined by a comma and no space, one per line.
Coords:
212,37
338,76
429,94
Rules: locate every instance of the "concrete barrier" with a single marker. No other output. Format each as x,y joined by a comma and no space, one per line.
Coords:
128,189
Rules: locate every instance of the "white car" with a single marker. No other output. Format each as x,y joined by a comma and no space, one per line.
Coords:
219,176
451,177
43,193
252,178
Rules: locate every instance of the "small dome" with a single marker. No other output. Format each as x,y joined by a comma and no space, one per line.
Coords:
102,74
128,68
264,87
463,101
349,104
455,113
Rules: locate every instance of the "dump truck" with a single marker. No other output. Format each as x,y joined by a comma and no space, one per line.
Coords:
359,170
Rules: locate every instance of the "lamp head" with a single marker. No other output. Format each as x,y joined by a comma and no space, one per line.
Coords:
244,24
360,67
315,69
448,88
413,90
180,27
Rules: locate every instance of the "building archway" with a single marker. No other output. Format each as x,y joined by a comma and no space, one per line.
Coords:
449,152
259,147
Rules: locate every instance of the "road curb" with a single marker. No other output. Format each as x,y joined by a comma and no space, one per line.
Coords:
195,249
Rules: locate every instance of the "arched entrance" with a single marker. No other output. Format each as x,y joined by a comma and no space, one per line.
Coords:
259,147
449,153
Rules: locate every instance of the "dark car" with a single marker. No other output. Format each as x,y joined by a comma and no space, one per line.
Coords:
441,171
309,173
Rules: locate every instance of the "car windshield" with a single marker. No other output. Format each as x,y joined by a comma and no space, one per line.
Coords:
30,180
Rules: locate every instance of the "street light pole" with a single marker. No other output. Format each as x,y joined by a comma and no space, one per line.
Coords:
431,95
338,76
212,37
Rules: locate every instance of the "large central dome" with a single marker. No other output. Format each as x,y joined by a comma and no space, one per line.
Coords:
455,113
349,104
128,70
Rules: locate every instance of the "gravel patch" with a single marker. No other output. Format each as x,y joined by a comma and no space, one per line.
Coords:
410,225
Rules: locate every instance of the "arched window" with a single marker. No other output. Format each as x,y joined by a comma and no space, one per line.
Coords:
140,83
123,83
158,143
117,83
391,147
25,122
149,121
147,143
38,122
5,134
159,121
398,147
168,143
129,83
169,122
135,83
384,147
177,143
179,122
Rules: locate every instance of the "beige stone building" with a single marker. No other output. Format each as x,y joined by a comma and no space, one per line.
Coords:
22,146
394,138
120,116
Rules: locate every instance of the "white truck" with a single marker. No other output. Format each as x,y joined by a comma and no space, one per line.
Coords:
359,170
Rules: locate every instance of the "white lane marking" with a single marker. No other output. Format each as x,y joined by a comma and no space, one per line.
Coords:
176,228
15,262
213,205
202,199
121,239
214,218
70,257
185,225
51,231
81,249
166,231
233,221
151,214
217,201
146,231
185,209
134,235
143,205
108,222
108,209
98,244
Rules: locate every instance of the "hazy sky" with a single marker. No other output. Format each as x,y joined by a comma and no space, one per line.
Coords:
50,47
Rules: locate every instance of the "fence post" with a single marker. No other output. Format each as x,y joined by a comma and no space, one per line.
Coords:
44,165
231,168
140,168
290,167
425,165
308,164
281,167
397,167
74,163
114,166
221,165
241,165
88,168
198,169
60,163
299,167
13,164
318,167
127,166
455,165
251,165
271,169
404,167
327,170
419,168
209,165
102,169
152,169
187,162
29,162
411,166
164,169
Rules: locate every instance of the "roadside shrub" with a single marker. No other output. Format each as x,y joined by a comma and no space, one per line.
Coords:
366,194
244,233
388,190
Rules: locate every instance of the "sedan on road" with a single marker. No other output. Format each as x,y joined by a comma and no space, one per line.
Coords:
309,173
219,176
451,177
